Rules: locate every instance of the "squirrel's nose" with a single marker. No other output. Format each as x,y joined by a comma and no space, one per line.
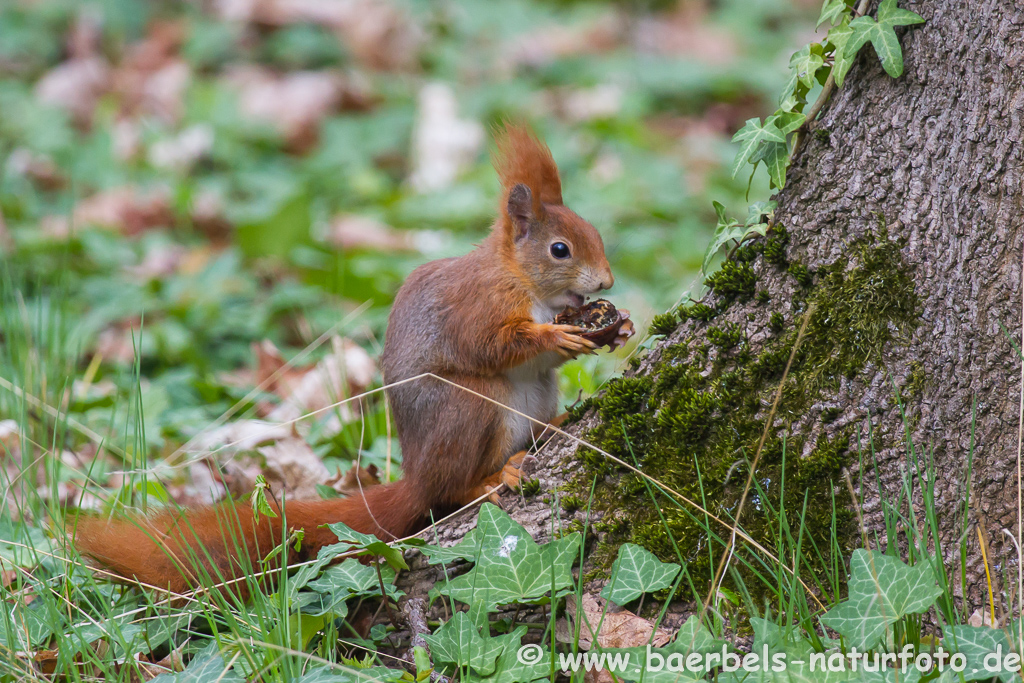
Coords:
607,280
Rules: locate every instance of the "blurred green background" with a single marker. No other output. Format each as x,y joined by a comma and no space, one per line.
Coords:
183,180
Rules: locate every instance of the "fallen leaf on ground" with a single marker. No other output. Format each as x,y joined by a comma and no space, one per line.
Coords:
295,103
116,343
350,231
204,486
71,495
546,44
619,629
378,32
128,210
10,438
180,152
354,479
243,435
347,371
159,263
38,168
580,105
76,86
152,79
443,145
293,469
685,32
980,618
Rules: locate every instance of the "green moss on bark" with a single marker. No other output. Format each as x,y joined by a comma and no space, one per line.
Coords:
694,419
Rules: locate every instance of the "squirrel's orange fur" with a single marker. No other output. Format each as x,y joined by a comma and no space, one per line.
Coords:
482,321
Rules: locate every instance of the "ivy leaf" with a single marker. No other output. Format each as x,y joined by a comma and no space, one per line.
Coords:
839,36
357,579
726,231
831,10
508,668
795,672
637,571
751,136
775,156
206,667
975,643
316,604
797,648
882,591
757,211
779,639
350,579
511,567
338,674
913,675
882,35
466,549
365,544
805,63
458,642
787,121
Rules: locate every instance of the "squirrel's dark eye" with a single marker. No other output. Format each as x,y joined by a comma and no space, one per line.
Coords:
560,250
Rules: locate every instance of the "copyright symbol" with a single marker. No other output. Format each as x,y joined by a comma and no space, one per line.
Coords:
530,654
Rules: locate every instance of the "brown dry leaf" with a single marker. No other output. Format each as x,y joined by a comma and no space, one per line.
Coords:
210,216
243,435
349,231
38,168
152,79
126,139
76,86
545,45
378,32
159,263
685,32
353,480
71,495
10,438
128,210
45,661
182,151
204,486
580,105
116,343
292,468
173,661
443,145
346,372
295,103
979,618
619,629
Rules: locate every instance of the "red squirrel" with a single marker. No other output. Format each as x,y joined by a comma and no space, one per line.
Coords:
483,321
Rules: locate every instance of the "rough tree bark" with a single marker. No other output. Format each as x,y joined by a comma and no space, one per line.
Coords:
902,224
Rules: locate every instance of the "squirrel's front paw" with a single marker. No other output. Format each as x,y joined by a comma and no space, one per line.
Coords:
568,343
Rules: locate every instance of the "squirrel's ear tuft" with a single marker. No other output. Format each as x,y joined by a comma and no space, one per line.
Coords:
520,210
522,159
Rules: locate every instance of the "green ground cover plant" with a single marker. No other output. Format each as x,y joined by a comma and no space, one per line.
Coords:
127,327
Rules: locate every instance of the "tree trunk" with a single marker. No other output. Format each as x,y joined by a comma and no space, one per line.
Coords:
900,230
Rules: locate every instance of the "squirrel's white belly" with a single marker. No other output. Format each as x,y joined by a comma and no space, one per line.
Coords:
534,393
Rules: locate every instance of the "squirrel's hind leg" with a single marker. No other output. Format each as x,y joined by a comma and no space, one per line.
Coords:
511,475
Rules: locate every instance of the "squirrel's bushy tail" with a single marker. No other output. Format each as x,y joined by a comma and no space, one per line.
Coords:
187,548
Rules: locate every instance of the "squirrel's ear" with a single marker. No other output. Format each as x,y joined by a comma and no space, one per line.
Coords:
520,211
